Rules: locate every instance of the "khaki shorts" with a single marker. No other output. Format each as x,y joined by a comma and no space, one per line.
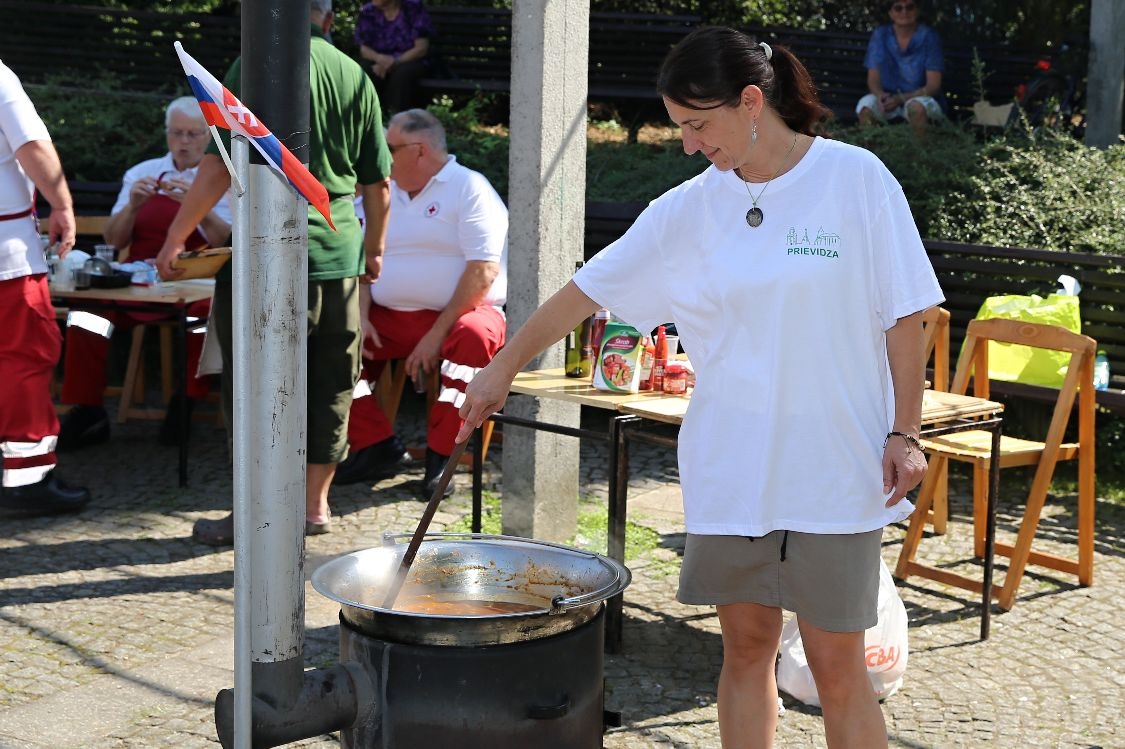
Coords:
333,366
830,581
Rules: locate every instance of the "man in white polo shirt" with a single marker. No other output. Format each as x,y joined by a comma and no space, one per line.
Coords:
30,343
437,303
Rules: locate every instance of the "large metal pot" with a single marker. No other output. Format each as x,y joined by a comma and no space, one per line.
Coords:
560,586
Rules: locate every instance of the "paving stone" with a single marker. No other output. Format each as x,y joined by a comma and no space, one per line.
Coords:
116,629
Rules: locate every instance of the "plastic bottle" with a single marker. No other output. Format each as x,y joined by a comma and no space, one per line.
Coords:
659,359
1101,371
580,347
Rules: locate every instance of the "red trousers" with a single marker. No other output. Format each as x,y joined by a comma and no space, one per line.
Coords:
29,350
84,367
470,345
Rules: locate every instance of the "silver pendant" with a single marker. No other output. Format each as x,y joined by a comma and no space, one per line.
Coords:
754,216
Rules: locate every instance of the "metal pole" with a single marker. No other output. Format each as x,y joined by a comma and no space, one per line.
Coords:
240,245
270,314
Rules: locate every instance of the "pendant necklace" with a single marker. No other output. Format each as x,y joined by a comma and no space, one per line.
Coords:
754,216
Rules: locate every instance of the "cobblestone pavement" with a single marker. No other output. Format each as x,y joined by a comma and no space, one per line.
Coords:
116,629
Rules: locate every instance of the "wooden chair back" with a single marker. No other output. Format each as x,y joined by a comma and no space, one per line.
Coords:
973,447
935,331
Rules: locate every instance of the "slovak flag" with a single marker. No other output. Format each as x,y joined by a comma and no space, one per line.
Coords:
222,109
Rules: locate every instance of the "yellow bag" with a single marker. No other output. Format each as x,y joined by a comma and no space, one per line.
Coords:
1014,363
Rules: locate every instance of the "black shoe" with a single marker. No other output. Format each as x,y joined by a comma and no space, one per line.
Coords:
214,532
170,427
83,426
435,465
374,462
51,496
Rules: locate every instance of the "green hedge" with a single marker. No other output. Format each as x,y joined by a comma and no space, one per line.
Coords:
1022,188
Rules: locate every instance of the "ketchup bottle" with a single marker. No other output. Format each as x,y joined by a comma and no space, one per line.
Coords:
648,353
659,359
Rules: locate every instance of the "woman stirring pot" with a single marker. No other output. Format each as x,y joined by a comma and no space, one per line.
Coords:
796,278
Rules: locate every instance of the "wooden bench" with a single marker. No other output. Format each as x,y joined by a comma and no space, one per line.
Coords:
93,202
968,274
49,40
835,61
472,52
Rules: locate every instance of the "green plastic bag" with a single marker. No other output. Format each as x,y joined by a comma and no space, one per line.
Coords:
1014,363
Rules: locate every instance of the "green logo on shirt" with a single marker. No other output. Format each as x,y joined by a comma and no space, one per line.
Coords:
821,245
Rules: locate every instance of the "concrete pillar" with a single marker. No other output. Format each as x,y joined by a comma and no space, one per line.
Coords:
1106,85
546,202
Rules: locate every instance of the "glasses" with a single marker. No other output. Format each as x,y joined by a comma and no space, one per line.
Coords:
396,146
192,134
904,7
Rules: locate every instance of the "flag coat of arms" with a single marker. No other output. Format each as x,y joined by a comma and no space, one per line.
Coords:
222,109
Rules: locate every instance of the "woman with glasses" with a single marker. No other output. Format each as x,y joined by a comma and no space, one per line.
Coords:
150,195
904,65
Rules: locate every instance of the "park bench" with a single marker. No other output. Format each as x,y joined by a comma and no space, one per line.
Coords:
835,61
969,273
472,52
48,40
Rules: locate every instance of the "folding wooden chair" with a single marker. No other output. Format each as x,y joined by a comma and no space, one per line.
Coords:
935,331
388,392
974,447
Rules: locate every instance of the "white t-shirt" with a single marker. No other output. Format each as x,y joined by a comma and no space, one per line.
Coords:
165,168
785,327
20,251
457,217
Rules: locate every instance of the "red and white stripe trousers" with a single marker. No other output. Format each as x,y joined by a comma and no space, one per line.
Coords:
468,347
29,350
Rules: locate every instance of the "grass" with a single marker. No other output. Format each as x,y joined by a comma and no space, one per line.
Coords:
592,533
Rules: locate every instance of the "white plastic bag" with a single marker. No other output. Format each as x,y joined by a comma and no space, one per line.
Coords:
886,649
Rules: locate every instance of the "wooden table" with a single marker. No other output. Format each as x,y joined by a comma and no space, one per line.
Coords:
639,416
164,298
942,413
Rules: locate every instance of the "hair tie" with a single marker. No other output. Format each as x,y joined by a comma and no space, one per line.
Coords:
766,48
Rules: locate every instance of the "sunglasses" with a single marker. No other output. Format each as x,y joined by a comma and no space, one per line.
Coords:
903,7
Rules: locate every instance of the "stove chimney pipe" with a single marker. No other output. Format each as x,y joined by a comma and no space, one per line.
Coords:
330,700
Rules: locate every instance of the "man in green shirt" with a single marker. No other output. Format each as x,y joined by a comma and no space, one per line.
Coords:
346,148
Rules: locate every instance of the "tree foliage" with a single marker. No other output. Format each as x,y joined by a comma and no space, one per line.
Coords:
1024,23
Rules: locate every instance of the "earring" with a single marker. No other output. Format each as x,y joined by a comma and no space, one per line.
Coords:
754,133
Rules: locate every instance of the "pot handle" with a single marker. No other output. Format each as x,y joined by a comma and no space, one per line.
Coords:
559,604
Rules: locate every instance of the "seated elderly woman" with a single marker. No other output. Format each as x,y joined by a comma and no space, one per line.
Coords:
150,195
394,39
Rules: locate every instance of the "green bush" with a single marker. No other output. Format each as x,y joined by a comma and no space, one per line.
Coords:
98,131
1048,191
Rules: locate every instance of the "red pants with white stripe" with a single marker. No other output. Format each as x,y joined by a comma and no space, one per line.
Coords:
29,350
470,345
84,367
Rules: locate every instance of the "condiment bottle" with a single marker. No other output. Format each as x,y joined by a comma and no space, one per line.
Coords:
647,355
659,359
597,332
675,378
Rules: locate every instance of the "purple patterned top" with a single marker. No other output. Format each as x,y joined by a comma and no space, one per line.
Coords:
393,37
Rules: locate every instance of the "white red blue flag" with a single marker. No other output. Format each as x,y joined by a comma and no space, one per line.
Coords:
222,109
